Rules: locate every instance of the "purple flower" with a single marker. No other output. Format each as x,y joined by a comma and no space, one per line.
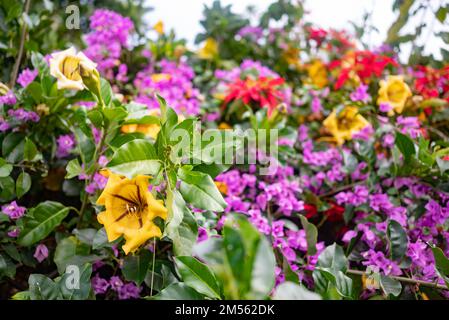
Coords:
115,283
14,233
66,143
202,234
109,36
41,253
26,77
99,285
385,107
9,98
361,94
23,115
13,210
379,262
128,291
4,125
176,86
254,33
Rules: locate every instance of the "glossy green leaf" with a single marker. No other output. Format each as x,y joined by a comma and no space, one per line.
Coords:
23,184
43,288
311,235
397,238
178,291
135,267
198,276
200,190
44,218
83,285
135,157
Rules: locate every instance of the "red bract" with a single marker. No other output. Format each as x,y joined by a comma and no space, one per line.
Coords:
262,91
310,210
364,64
432,83
317,34
335,212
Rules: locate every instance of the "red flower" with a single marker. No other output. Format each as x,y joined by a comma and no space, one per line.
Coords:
364,64
335,213
262,91
432,83
310,210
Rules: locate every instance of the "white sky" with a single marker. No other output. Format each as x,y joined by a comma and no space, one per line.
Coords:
183,16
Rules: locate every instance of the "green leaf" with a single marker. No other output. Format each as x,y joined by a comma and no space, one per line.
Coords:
441,264
293,291
441,14
135,157
311,235
84,284
29,150
23,184
7,267
184,233
73,169
390,286
342,283
95,117
198,276
5,168
200,190
115,114
71,251
7,189
12,147
178,291
405,145
106,92
44,218
333,258
135,267
43,288
100,239
397,239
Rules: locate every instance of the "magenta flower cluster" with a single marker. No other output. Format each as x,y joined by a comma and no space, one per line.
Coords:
109,36
172,80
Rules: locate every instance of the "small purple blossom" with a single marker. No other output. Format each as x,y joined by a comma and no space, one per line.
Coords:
361,94
13,210
41,253
66,143
26,77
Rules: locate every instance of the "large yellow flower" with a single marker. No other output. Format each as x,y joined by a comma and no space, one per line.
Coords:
317,73
343,126
209,51
70,67
130,211
395,92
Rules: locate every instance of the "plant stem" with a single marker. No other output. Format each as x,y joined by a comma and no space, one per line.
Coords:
152,267
404,279
15,70
97,154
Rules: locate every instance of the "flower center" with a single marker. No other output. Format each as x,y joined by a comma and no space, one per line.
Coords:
70,68
134,205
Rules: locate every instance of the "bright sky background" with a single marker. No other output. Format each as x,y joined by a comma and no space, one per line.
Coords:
183,16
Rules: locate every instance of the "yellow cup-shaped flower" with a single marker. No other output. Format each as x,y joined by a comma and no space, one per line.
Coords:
130,211
395,92
345,124
209,51
317,73
70,68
